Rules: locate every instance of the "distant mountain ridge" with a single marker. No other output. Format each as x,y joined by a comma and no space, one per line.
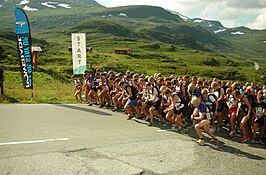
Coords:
35,5
139,21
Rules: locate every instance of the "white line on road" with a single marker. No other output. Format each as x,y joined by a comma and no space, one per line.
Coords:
163,130
34,141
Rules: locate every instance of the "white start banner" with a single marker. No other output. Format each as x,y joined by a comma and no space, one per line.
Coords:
79,52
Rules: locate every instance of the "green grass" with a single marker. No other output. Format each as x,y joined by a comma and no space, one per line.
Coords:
53,83
160,42
46,89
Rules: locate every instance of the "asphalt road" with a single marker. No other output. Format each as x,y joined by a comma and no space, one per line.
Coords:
76,139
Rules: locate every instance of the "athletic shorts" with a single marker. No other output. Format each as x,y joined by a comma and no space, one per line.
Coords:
132,103
156,105
88,88
221,106
232,110
180,111
149,104
261,121
78,88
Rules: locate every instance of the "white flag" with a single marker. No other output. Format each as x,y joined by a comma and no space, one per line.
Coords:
79,52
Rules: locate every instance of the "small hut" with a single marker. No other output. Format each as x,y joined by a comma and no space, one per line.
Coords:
123,51
35,50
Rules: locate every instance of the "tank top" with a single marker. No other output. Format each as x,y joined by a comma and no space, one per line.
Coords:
231,101
151,94
178,104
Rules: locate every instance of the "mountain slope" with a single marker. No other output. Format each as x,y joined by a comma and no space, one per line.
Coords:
247,43
33,5
141,11
151,32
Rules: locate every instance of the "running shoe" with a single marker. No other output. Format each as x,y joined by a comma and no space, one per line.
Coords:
184,130
243,140
214,140
174,127
261,142
150,124
101,106
212,130
232,134
107,106
252,141
219,129
114,109
190,127
201,141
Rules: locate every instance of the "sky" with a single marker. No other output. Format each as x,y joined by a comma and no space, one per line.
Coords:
232,13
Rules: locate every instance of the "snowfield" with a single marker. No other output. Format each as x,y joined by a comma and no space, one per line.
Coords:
198,21
123,14
27,8
24,2
55,5
219,30
237,33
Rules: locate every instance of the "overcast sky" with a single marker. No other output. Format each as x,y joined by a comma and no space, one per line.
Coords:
232,13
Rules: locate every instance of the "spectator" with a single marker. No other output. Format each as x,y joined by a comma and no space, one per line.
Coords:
78,88
2,79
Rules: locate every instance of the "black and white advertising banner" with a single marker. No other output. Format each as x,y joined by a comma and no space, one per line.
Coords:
23,37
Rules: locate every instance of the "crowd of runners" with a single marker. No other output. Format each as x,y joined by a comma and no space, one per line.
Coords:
183,102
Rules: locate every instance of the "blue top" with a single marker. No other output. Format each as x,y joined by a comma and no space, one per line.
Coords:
22,26
204,109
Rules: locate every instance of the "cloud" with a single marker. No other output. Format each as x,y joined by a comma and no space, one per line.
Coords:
259,22
245,4
231,13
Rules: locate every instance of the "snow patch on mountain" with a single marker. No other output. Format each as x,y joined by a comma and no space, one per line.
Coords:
219,30
198,21
123,14
237,33
50,4
210,24
264,41
27,8
55,5
64,6
24,2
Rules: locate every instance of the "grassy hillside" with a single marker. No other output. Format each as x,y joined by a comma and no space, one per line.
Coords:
160,41
49,87
141,11
251,43
149,56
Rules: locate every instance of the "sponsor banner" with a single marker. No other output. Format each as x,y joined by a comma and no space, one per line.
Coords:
79,52
23,38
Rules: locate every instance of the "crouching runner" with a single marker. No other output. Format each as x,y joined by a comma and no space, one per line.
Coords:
201,117
131,99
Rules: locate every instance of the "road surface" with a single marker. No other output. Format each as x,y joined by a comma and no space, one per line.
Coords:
42,139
